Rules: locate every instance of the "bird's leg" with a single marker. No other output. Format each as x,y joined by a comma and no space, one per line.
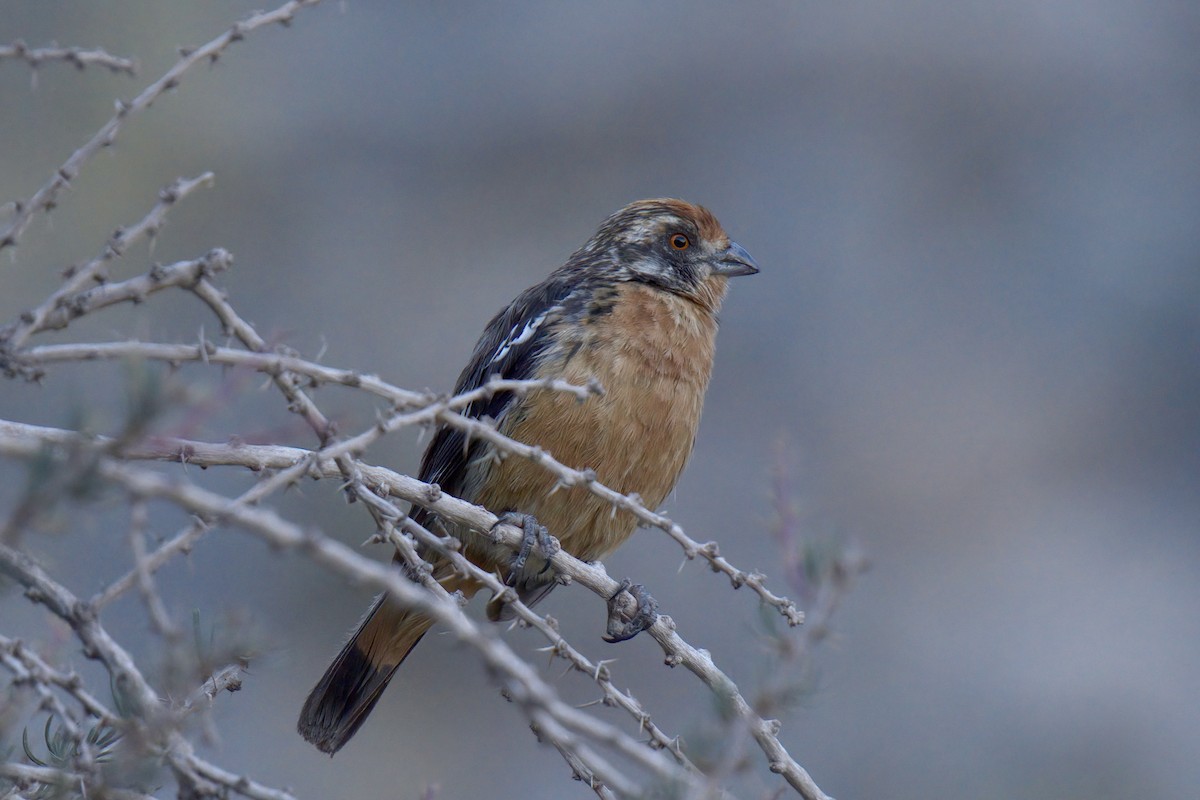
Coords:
631,610
533,533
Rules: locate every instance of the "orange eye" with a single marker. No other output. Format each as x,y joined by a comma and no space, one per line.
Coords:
680,242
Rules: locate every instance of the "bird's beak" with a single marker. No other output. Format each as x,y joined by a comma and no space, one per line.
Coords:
735,261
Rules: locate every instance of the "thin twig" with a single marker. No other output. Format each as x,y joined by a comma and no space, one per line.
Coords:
159,615
523,683
382,512
28,667
283,370
155,720
12,338
28,775
581,773
677,651
78,56
271,364
46,197
275,457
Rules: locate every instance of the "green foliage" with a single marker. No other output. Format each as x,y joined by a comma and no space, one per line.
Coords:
63,748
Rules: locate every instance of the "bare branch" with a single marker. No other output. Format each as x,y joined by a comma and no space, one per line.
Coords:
28,667
567,476
154,719
46,197
181,542
523,683
275,457
97,644
597,753
580,772
677,651
29,670
271,364
27,775
79,57
217,782
13,337
134,290
159,615
227,679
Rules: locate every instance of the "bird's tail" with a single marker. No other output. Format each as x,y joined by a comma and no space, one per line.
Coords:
349,689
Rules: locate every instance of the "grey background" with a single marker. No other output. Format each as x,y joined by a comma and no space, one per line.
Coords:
975,330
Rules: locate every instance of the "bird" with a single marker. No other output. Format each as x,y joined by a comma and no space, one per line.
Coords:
634,309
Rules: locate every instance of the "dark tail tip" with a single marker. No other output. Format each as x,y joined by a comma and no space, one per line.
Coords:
340,702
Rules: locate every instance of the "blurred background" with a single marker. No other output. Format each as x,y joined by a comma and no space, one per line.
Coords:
976,336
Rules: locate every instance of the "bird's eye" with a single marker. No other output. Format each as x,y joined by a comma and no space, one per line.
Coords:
680,242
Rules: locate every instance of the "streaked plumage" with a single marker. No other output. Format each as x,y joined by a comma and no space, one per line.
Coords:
634,308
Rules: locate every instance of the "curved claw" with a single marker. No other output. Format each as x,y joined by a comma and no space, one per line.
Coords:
631,610
533,534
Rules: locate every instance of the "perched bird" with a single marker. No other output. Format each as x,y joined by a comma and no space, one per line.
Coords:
635,308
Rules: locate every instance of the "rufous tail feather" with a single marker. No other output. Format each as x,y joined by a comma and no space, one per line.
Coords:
350,688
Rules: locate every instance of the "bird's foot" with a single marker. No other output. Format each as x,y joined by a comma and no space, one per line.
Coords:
533,534
631,610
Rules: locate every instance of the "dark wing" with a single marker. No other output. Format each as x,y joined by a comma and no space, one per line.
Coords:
513,345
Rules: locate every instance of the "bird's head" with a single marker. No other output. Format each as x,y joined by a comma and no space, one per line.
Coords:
671,244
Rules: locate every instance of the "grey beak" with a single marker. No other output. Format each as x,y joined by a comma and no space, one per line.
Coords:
735,261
